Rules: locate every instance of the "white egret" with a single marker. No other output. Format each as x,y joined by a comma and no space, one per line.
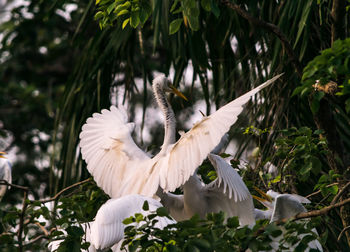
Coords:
284,206
226,193
107,230
120,167
5,174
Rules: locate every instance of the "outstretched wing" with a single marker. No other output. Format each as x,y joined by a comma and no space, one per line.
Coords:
230,188
108,227
193,147
109,150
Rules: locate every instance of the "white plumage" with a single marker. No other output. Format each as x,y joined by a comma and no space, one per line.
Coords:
5,174
107,230
120,167
227,193
284,206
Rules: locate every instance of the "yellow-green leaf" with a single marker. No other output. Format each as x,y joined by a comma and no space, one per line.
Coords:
125,22
175,25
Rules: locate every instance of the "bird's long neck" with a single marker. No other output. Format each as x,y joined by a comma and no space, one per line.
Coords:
192,186
169,117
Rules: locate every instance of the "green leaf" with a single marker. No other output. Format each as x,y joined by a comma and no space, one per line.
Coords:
215,8
135,19
128,220
122,12
333,189
162,211
175,25
111,7
125,22
206,5
145,205
99,15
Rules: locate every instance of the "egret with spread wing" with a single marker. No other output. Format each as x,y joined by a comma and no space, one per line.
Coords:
284,206
120,167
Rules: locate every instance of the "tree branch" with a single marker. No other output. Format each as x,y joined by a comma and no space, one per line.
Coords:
340,193
317,192
64,190
270,27
21,219
316,213
342,232
36,239
4,182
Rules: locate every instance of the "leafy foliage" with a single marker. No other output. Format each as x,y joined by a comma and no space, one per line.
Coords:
213,234
331,65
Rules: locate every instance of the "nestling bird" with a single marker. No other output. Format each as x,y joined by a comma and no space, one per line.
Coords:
284,206
120,167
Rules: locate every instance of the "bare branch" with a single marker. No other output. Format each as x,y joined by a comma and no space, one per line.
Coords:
340,193
319,191
4,182
64,190
342,232
21,219
316,213
36,239
270,27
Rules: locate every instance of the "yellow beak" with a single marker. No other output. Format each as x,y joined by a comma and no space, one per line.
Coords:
1,154
178,93
264,196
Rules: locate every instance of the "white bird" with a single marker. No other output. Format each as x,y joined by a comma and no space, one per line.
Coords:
226,193
284,206
5,174
120,167
107,230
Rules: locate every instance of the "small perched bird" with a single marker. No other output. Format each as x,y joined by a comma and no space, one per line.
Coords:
120,167
283,206
107,230
5,173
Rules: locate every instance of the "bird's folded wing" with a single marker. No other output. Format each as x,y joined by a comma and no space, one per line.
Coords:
228,180
109,150
193,147
286,206
108,227
301,199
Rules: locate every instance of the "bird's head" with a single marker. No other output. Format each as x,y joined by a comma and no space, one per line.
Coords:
265,199
162,83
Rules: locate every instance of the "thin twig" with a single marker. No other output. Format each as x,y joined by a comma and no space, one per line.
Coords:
4,182
42,228
21,219
270,27
342,232
62,191
36,239
317,192
340,193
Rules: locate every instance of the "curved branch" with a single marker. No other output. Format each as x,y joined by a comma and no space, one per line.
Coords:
63,190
